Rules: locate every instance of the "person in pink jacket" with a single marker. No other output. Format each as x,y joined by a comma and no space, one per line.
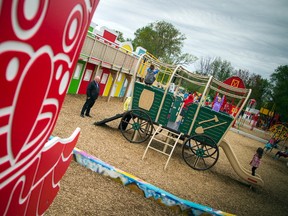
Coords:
256,160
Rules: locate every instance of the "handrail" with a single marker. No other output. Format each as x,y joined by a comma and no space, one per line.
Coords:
111,43
100,50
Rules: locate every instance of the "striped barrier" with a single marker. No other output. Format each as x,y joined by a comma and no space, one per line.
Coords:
149,191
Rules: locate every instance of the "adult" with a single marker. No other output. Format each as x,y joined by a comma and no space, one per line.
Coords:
92,93
150,75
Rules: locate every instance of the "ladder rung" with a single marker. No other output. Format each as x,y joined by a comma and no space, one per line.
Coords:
163,142
169,136
170,132
159,151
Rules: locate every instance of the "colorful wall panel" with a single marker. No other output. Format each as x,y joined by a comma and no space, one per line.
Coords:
119,84
87,77
104,80
124,87
76,77
108,85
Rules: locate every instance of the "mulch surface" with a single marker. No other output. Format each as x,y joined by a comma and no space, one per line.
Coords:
84,192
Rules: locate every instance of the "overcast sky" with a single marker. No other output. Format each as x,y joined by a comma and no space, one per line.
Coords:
251,34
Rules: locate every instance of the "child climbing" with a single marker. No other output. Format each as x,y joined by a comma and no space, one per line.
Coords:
272,143
150,76
218,101
187,102
255,162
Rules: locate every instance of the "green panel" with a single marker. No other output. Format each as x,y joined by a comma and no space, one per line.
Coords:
175,108
187,119
90,30
75,81
164,114
205,113
163,118
216,133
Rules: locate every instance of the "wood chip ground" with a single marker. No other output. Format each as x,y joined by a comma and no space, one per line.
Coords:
83,192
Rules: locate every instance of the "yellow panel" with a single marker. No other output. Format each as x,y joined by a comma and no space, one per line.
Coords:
119,85
108,85
142,69
264,111
127,47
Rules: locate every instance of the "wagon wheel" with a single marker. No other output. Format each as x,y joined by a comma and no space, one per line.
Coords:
136,126
200,152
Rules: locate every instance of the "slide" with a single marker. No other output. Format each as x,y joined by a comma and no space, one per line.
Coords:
104,121
241,171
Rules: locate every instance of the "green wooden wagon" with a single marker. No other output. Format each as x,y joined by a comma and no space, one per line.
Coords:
155,111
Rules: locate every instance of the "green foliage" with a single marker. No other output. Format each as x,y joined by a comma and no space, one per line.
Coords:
244,75
164,41
260,89
188,86
280,91
183,59
120,36
221,69
162,78
218,68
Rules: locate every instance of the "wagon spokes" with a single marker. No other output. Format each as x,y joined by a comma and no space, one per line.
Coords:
200,152
136,126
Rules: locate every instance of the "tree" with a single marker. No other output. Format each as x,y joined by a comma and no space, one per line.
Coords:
260,89
164,41
218,68
221,69
243,74
203,66
280,91
120,36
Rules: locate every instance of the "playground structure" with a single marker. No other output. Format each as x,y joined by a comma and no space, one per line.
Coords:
155,110
249,112
278,138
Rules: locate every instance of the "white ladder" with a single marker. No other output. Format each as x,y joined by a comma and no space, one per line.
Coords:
169,136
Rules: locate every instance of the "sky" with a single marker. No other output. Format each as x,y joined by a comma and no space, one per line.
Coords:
252,35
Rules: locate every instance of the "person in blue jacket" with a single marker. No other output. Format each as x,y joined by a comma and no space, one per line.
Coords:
92,93
150,76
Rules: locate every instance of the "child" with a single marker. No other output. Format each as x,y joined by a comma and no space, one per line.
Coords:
150,76
254,121
218,103
282,153
255,162
271,144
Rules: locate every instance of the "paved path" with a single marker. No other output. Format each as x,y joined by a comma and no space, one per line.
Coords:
249,135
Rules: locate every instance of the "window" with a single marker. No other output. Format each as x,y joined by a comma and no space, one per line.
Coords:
77,71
